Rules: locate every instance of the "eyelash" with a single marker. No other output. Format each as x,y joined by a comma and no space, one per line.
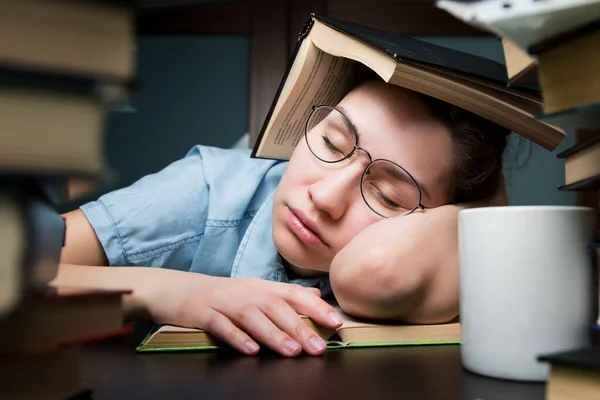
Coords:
330,145
385,199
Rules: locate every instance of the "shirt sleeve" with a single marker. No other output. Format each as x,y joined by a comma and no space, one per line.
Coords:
157,221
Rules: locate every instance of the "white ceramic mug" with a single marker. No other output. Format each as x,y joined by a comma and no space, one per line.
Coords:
525,286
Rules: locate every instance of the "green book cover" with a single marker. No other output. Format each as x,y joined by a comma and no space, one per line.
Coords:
449,335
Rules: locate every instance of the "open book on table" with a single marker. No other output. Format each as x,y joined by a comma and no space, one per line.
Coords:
352,333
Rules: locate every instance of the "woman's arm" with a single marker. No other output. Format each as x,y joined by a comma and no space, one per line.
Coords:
404,268
83,264
239,311
82,246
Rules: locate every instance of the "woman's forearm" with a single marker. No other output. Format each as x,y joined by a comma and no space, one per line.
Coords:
402,269
139,280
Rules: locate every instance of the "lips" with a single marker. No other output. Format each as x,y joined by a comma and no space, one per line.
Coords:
305,228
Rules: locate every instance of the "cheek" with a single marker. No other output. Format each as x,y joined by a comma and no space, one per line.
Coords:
356,220
301,170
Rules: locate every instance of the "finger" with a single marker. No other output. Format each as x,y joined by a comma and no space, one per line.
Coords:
288,320
222,328
312,306
262,329
314,291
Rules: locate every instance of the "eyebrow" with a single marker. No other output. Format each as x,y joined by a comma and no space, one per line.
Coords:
345,114
392,171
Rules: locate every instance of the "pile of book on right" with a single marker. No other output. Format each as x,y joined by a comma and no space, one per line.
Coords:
63,66
569,73
556,44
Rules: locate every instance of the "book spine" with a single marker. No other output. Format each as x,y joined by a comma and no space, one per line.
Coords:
303,34
579,147
592,184
307,27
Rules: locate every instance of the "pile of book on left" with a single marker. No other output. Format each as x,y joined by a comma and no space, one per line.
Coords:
64,64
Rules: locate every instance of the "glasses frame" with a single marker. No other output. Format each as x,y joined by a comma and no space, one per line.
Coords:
419,206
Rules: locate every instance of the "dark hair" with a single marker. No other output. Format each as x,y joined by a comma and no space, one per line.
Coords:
478,145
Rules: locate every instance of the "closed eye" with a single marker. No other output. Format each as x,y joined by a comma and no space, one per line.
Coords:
386,200
330,145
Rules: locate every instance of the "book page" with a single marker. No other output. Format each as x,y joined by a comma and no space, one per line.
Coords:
316,78
355,331
350,322
177,329
514,113
517,61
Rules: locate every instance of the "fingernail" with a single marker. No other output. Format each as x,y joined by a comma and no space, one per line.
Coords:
291,346
335,318
316,343
250,346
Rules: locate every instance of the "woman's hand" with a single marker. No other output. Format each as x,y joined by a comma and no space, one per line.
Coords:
243,311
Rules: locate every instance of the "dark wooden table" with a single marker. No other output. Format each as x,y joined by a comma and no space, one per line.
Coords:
114,371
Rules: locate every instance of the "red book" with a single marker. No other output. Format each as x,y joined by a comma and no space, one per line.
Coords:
55,317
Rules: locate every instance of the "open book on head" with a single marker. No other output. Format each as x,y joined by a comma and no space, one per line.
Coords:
332,56
352,333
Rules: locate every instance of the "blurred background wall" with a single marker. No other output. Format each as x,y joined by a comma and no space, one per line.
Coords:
201,81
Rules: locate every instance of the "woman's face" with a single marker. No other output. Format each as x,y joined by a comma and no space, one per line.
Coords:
318,207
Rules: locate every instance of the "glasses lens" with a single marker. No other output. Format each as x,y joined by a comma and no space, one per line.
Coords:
329,135
389,190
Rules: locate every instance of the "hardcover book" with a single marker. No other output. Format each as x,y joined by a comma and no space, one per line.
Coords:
331,55
352,333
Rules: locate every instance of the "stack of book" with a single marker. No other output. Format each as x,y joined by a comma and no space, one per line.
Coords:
569,74
63,65
558,40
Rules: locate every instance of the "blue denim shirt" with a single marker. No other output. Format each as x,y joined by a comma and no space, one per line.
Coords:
210,212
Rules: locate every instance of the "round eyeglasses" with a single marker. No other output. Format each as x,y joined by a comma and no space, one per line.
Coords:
387,188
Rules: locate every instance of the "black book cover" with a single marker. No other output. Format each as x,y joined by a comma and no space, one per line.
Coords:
584,144
403,47
587,358
592,183
55,80
53,187
400,47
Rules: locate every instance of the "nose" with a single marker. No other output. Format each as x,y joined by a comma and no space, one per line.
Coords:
337,189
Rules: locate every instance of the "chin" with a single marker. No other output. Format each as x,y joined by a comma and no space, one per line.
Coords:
295,253
315,269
